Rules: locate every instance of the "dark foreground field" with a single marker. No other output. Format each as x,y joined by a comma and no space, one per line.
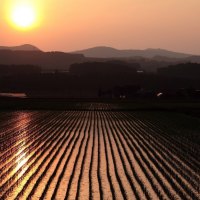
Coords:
99,153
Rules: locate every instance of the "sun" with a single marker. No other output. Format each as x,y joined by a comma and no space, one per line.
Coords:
23,16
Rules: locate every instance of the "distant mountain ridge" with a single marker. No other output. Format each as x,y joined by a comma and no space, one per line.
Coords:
149,59
46,60
108,52
24,47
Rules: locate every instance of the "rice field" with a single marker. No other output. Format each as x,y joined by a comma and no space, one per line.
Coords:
98,154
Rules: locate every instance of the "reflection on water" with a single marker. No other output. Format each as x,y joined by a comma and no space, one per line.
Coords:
21,164
19,95
22,121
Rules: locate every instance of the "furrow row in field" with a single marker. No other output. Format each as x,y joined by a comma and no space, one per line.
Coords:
172,150
7,121
153,164
145,172
63,178
169,158
139,189
119,166
20,124
33,162
186,147
42,175
165,165
36,139
30,137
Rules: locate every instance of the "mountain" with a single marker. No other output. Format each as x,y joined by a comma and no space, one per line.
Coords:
45,60
24,47
194,59
149,59
108,52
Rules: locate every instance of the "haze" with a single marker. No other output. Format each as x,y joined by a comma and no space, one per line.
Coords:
124,24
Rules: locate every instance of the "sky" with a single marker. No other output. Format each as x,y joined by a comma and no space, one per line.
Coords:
68,25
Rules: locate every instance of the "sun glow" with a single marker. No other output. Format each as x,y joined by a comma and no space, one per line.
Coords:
23,16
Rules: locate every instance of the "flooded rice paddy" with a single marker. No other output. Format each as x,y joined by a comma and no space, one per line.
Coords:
95,155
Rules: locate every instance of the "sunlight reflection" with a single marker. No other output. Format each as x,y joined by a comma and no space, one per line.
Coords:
22,155
21,161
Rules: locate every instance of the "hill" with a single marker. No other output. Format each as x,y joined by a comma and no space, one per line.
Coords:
194,59
150,59
24,47
46,60
108,52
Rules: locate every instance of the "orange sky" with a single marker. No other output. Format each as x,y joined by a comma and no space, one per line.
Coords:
68,25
